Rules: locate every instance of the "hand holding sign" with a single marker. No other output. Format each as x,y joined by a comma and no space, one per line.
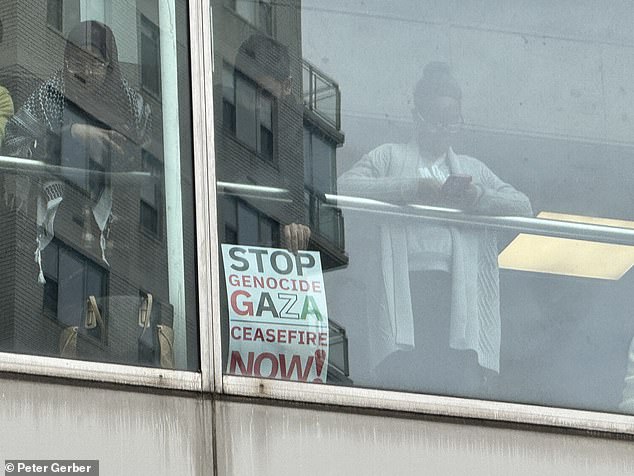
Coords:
277,313
295,237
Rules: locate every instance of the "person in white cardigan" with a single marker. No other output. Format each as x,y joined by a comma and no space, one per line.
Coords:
435,323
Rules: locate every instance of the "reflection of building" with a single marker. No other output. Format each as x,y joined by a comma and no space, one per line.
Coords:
271,141
32,315
322,135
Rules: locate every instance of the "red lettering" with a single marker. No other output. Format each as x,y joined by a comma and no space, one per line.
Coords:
296,364
233,332
234,280
259,335
258,281
258,364
236,360
311,337
247,309
253,366
323,339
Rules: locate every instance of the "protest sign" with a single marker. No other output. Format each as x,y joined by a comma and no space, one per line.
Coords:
278,320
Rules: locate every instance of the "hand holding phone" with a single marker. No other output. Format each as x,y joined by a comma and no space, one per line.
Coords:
456,185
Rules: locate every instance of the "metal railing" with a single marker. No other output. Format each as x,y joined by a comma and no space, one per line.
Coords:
321,94
448,216
324,218
37,167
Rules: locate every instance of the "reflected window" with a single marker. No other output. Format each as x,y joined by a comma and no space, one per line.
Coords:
97,184
256,12
320,179
151,197
149,56
248,112
71,279
483,177
62,15
244,224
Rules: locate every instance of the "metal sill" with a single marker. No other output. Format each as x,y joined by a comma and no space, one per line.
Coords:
559,418
101,372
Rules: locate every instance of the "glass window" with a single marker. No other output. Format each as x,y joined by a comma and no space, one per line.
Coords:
62,15
246,112
454,200
256,12
151,196
252,119
149,54
96,184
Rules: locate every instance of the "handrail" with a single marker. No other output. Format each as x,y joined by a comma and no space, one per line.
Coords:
247,190
450,216
37,167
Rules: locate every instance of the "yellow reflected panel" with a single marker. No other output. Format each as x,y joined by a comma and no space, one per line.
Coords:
586,259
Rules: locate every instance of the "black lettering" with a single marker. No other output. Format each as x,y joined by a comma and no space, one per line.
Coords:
266,304
308,262
289,262
233,254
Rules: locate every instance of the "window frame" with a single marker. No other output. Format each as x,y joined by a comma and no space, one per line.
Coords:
261,94
239,206
257,22
285,392
62,26
136,375
448,406
210,378
144,24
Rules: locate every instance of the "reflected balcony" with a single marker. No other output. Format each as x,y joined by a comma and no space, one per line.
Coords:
321,95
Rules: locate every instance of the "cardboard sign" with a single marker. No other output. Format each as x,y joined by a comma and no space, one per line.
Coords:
278,321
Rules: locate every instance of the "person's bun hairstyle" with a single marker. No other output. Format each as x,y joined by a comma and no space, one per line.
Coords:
437,81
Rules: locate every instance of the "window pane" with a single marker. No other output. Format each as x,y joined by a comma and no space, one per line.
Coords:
448,190
266,111
246,125
150,67
228,92
265,16
323,156
246,9
54,13
107,188
72,289
248,225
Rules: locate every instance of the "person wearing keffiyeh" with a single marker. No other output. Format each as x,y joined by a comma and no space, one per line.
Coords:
6,103
86,113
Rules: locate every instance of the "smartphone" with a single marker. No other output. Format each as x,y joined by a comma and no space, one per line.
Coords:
456,184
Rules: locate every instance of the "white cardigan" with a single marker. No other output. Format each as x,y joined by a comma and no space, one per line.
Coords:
389,173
